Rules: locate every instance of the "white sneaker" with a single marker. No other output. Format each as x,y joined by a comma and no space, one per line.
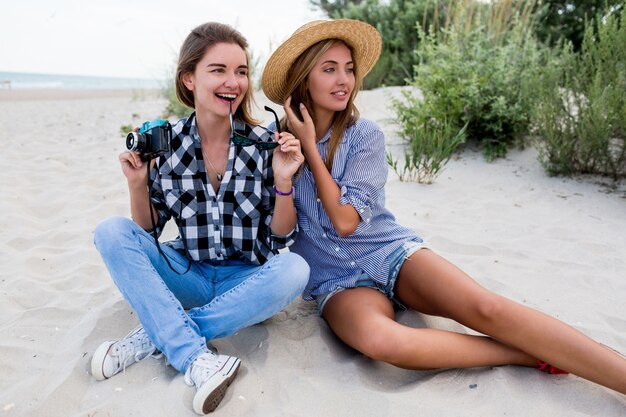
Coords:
211,374
114,356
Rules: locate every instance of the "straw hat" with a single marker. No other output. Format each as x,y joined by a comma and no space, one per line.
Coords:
363,38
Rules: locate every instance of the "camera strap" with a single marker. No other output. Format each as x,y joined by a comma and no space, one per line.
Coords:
154,230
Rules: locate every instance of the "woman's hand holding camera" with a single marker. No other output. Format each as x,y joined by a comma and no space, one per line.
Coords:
133,168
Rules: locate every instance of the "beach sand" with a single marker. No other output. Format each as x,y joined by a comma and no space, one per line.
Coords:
554,244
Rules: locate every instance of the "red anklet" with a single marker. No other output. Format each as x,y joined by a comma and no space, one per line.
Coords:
546,367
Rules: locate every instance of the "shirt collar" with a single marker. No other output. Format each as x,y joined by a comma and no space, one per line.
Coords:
183,159
326,136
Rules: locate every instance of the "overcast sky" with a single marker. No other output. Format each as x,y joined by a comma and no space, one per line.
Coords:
131,38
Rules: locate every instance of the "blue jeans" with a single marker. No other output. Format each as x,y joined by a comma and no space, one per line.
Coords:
222,297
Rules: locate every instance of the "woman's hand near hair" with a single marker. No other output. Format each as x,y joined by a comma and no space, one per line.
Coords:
344,218
304,130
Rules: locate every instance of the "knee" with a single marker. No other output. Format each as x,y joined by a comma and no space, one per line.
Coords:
395,349
380,346
489,308
295,272
109,230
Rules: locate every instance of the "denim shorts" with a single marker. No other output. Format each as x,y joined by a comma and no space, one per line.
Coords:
396,260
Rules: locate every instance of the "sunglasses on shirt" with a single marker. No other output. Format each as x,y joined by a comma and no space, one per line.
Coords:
243,140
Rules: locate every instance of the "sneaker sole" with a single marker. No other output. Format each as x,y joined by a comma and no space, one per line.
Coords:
97,360
215,395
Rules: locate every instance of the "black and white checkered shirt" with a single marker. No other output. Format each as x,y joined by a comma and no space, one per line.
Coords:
235,223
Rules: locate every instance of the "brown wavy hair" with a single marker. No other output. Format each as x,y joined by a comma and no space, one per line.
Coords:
297,88
193,49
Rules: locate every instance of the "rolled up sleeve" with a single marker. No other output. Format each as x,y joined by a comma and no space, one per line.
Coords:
365,175
273,241
276,242
158,200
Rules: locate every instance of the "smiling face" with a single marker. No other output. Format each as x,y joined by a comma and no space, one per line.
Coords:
331,81
221,76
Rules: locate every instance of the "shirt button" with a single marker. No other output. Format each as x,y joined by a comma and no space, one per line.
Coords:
323,234
352,263
362,210
337,249
318,200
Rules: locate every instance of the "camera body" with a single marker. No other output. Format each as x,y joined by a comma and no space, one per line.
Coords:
152,140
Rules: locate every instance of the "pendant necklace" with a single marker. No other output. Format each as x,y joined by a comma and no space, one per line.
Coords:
217,174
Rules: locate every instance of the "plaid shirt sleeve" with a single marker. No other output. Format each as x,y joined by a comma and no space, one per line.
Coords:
268,197
157,198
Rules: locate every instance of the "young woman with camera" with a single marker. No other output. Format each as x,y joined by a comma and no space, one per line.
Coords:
364,264
227,184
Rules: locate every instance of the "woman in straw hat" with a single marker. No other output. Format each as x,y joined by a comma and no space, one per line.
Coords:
218,182
363,264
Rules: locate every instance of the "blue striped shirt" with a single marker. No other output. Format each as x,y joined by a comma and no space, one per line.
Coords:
360,170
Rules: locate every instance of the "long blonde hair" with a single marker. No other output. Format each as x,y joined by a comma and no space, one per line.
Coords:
297,88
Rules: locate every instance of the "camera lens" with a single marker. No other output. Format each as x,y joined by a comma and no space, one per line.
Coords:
135,141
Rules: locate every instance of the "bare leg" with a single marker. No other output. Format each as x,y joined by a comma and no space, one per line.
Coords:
363,318
430,284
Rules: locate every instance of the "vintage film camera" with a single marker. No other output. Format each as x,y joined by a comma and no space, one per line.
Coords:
152,140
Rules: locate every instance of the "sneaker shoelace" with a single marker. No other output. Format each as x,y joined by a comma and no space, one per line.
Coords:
201,369
136,346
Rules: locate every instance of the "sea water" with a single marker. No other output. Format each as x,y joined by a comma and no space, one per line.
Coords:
24,81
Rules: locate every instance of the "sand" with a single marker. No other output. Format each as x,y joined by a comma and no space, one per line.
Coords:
554,244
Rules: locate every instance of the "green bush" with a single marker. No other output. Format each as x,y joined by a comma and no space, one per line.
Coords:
565,19
472,74
124,129
430,145
174,106
580,113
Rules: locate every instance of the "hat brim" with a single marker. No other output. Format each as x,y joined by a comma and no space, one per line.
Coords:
362,38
